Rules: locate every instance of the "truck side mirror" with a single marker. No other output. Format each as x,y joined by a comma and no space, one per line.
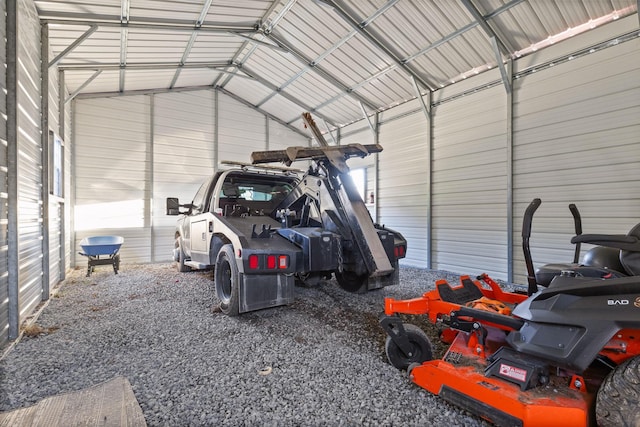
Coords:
173,206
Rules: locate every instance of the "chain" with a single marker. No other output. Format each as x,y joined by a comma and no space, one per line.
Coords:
340,260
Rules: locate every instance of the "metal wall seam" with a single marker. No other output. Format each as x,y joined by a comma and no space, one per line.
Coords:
8,218
29,183
44,159
402,199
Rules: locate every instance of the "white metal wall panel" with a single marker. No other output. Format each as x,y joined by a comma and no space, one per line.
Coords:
577,140
281,137
29,160
56,206
470,184
112,173
363,136
241,130
184,156
68,228
4,291
403,182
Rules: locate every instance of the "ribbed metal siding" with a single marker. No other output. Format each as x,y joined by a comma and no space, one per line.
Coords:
183,156
56,205
363,136
403,182
112,164
68,228
241,130
4,294
470,184
29,161
281,137
577,140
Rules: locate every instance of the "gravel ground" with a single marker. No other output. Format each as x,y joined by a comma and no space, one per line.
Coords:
317,362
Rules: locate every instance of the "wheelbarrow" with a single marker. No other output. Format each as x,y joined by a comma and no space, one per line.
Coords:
107,247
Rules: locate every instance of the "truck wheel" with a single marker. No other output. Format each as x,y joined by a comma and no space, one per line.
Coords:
352,282
618,400
421,349
181,267
227,280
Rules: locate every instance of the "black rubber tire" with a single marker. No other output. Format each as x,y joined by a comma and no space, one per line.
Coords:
421,349
181,267
351,282
227,281
618,400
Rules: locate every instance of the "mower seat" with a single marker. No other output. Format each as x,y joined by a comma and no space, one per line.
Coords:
598,263
627,246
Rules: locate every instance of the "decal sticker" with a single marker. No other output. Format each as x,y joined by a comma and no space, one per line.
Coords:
637,302
618,302
513,372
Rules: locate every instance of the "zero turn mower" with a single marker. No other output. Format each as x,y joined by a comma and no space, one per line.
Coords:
566,353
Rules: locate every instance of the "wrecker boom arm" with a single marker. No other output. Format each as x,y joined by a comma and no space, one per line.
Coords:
342,191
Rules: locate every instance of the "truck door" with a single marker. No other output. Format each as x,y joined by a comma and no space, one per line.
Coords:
198,220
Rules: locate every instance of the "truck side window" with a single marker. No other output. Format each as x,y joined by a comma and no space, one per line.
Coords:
198,199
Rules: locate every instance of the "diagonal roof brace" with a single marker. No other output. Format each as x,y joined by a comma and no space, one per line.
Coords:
329,132
366,116
506,79
73,45
285,95
308,67
192,40
325,74
345,14
477,16
82,86
271,24
425,108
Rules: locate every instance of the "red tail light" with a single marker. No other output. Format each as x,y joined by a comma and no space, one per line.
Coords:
253,262
398,251
271,262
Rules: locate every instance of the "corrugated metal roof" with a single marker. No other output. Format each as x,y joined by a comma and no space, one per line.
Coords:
332,57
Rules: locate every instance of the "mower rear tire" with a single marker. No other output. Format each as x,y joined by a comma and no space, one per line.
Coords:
421,349
618,400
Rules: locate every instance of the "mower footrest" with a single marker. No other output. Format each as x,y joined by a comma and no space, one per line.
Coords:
461,295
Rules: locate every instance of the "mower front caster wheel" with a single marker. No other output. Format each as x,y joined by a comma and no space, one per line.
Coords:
421,349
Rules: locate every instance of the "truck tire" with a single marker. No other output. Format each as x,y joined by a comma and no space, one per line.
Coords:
227,281
352,282
181,267
421,349
618,400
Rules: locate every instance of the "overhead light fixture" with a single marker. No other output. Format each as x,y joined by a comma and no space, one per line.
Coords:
572,31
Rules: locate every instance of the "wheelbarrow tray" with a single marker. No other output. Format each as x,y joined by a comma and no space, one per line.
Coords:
107,247
101,245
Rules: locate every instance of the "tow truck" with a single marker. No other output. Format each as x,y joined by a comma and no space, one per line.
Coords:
264,228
